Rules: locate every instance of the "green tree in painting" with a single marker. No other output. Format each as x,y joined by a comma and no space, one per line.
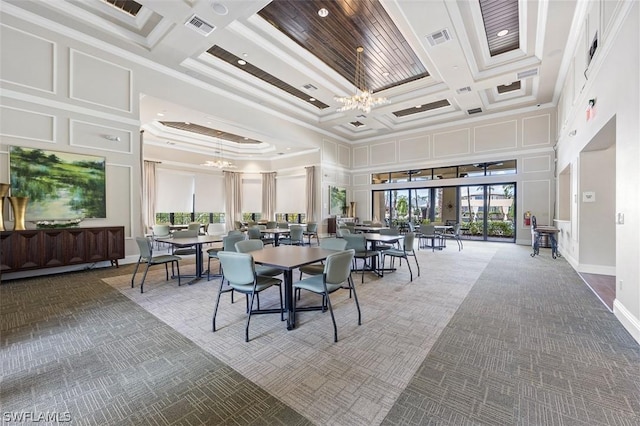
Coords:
74,181
337,200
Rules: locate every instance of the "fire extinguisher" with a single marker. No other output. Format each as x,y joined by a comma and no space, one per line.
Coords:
527,218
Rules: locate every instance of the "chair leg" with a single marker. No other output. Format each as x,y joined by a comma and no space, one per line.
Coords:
246,329
135,271
384,256
143,277
215,311
355,296
333,318
417,264
178,269
166,271
281,304
410,272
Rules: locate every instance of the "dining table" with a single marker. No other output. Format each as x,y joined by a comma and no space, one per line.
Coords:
276,232
196,242
287,258
373,239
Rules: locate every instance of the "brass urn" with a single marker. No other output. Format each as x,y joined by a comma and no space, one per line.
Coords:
19,206
4,190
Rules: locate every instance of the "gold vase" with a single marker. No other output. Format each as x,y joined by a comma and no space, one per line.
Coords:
352,209
19,206
4,190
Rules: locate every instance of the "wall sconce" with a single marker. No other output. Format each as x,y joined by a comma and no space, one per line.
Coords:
112,138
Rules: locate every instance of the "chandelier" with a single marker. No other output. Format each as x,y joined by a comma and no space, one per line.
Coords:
363,98
219,162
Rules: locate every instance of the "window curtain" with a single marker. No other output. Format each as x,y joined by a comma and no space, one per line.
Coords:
268,195
149,194
311,194
233,194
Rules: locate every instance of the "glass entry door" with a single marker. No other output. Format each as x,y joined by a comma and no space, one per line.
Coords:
487,212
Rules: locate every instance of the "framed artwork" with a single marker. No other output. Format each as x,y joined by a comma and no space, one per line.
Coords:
337,200
59,185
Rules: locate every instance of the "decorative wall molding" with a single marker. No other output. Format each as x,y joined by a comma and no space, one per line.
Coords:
10,117
508,137
98,73
33,56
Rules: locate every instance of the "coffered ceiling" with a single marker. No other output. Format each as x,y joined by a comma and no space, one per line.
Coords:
436,61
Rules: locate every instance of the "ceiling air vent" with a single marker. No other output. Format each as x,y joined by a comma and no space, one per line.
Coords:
309,87
199,25
464,90
439,37
356,124
528,73
474,111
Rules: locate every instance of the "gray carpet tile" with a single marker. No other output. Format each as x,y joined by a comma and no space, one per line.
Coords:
72,344
486,336
530,345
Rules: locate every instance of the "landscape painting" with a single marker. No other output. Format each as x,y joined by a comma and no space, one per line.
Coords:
59,185
337,200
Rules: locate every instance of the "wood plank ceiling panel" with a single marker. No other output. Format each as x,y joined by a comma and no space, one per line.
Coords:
501,15
349,24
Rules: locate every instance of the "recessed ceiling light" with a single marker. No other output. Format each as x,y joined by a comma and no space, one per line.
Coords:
502,33
242,62
312,99
219,8
385,74
288,148
160,114
418,106
187,123
245,55
323,13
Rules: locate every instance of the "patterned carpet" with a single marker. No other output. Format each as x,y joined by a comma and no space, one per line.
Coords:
487,335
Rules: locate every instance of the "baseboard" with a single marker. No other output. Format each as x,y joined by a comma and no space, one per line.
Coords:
597,269
628,321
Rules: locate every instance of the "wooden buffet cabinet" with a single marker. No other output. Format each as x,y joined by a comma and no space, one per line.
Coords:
50,248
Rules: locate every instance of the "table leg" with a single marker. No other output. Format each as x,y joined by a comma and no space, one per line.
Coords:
275,240
288,299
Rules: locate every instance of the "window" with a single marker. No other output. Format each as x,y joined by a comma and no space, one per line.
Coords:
291,217
491,168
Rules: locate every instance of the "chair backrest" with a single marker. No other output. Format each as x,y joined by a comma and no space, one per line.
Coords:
254,233
246,246
456,229
312,227
229,242
333,243
367,222
194,226
407,243
238,268
411,227
146,252
235,232
427,229
337,266
189,233
261,227
355,242
534,222
215,229
341,232
161,230
283,225
271,224
389,231
237,224
296,232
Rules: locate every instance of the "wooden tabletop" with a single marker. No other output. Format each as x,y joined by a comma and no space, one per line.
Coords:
290,257
200,239
382,238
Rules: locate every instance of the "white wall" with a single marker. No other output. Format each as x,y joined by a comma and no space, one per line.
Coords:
613,82
526,137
